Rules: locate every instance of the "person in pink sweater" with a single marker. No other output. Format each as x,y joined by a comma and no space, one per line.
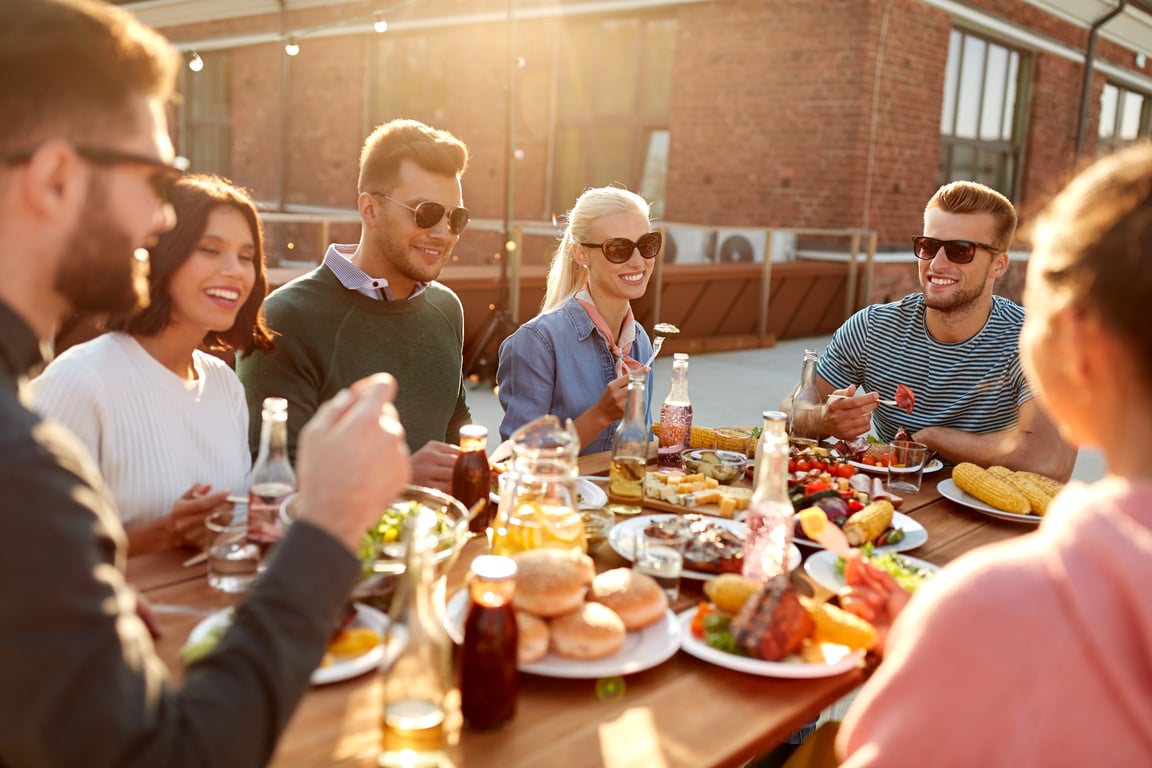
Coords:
1038,650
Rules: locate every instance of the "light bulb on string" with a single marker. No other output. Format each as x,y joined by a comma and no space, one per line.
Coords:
291,47
380,24
195,63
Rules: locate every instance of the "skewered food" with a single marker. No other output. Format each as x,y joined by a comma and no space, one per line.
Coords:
905,398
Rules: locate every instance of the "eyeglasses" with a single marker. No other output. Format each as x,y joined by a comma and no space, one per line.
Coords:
957,251
619,249
163,178
428,214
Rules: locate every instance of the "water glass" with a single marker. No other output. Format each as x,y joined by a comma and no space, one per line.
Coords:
233,561
906,466
662,558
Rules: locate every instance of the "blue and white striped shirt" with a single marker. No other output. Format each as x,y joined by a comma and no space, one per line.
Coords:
976,385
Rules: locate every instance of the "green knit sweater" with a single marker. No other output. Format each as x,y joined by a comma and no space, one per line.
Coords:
330,336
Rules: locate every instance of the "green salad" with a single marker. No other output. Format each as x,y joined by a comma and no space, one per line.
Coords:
383,539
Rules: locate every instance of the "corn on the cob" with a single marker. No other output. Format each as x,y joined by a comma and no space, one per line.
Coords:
868,523
729,591
836,625
1053,487
1038,497
990,489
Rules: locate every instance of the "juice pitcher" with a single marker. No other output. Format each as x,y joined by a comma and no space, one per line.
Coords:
538,502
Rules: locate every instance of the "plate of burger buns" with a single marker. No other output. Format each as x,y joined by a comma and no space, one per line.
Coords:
575,623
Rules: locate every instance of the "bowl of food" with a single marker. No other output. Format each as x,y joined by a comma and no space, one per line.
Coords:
383,548
723,466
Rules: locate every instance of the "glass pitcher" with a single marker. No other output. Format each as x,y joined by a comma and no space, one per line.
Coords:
538,502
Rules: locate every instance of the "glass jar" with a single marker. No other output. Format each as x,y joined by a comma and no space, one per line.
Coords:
538,502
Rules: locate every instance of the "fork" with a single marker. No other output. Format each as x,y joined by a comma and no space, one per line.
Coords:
656,344
841,397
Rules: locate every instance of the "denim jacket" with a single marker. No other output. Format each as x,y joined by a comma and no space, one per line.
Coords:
559,363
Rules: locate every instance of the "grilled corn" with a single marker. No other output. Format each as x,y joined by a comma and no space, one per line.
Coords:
729,591
865,525
1038,497
836,625
990,489
1047,483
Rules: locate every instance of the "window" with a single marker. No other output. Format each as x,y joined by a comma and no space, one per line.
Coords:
206,126
409,80
981,123
614,85
1124,117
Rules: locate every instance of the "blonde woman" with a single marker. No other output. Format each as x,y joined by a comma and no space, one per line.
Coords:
572,359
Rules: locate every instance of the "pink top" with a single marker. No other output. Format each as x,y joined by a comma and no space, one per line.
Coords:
1032,652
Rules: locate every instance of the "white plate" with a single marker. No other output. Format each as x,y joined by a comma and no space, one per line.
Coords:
642,649
933,466
621,538
821,567
844,660
949,490
342,668
915,535
592,496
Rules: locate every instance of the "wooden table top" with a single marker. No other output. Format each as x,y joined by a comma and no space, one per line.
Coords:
685,712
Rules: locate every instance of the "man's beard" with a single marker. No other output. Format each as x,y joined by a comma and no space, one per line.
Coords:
396,254
962,300
99,271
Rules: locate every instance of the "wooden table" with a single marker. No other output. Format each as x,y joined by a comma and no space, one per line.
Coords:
684,712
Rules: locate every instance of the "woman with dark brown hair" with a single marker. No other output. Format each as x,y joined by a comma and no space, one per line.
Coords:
165,420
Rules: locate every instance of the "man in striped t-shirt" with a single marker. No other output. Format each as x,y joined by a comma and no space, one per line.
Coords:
955,345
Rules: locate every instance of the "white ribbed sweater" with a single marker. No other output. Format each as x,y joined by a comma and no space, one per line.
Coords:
152,433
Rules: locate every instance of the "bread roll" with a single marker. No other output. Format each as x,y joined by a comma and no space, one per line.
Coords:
551,582
532,643
635,597
593,631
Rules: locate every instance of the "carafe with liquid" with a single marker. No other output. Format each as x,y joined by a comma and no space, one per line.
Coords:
272,478
417,683
807,406
769,517
630,451
675,417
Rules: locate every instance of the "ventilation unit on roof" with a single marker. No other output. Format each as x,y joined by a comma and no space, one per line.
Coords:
688,245
743,244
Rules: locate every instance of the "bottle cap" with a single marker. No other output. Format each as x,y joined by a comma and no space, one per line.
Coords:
473,430
680,356
494,567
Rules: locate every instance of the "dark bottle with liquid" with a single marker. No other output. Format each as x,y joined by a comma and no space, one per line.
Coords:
488,676
471,478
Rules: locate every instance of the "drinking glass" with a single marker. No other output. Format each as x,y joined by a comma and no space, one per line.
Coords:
906,466
662,558
734,439
233,561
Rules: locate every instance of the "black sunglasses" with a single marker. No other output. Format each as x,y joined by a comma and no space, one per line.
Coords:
957,251
428,214
619,249
163,178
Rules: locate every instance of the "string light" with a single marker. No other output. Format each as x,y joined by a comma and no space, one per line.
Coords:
195,63
380,25
291,47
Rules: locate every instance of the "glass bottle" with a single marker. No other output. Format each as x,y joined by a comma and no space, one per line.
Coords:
418,681
488,677
272,478
471,479
807,406
538,502
675,417
630,451
769,517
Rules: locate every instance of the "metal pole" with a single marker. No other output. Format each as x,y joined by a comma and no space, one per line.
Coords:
1089,58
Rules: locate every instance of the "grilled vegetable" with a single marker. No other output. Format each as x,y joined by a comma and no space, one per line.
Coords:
836,625
729,591
990,489
1037,496
1047,483
867,524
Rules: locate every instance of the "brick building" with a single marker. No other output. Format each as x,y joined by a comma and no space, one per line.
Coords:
729,114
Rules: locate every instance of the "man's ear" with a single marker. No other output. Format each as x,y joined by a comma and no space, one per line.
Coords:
1000,265
55,183
367,207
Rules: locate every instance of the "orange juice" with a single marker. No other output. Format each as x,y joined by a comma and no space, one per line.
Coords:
537,524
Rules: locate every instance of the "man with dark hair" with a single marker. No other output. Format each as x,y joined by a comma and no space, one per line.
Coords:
85,164
376,306
954,344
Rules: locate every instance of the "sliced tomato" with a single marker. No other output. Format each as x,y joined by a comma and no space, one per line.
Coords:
702,612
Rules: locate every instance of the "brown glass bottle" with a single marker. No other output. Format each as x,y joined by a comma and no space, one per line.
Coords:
471,480
488,676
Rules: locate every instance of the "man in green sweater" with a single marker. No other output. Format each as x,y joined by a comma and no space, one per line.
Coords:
376,306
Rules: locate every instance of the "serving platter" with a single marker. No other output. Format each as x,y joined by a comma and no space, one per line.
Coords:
643,649
933,466
622,536
342,667
821,568
840,658
949,490
915,535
